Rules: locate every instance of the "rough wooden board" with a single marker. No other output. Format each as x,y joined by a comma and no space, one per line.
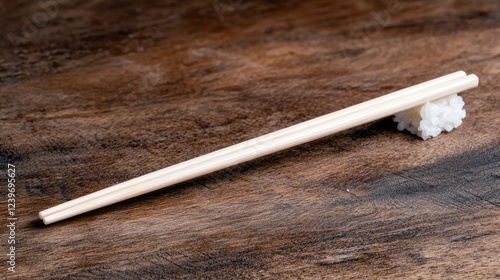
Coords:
107,91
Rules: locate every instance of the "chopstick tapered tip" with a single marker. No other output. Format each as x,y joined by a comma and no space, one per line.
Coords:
48,221
45,218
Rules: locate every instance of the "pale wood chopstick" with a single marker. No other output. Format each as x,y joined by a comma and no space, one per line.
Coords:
281,133
356,115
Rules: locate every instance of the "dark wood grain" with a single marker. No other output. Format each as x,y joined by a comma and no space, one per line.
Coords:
105,91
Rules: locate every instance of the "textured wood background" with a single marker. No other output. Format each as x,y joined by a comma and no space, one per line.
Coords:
98,92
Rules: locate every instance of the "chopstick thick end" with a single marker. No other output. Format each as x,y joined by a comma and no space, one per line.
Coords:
475,78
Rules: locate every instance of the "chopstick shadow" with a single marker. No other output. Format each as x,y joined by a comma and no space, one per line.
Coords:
340,142
37,223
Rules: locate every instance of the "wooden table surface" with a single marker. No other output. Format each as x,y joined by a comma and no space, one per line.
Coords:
97,92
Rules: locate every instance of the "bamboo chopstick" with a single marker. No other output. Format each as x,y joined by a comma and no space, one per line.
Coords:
283,132
304,132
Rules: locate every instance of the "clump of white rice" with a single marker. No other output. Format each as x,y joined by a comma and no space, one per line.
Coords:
432,118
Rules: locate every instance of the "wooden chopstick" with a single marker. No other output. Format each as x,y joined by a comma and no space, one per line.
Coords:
304,132
166,171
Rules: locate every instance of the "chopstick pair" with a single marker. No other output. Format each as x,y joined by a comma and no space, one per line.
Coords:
319,127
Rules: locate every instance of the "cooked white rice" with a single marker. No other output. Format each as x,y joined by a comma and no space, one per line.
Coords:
432,118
